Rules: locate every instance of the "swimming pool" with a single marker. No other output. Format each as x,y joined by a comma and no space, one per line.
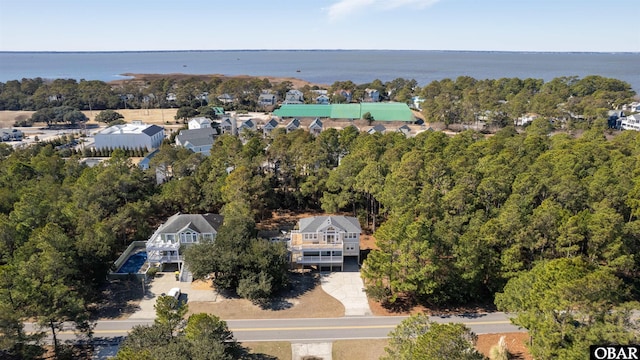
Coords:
133,263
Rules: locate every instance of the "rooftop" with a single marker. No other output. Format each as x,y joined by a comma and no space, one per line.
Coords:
200,223
317,223
387,111
132,129
195,134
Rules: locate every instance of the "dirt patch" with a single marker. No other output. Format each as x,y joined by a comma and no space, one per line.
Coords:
368,242
67,351
119,299
305,299
267,350
374,348
516,344
378,310
406,307
359,349
7,118
164,117
202,285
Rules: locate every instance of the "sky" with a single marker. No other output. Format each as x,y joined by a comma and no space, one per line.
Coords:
479,25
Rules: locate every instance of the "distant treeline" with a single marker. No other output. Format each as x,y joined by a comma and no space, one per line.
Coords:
464,100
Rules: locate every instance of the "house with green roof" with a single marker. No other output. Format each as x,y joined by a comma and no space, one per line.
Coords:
386,111
218,111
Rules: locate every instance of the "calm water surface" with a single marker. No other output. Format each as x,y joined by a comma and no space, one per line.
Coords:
323,66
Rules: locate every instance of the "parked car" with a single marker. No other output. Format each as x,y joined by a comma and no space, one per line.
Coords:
175,293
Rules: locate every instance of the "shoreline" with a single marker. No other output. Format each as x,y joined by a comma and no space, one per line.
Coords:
136,77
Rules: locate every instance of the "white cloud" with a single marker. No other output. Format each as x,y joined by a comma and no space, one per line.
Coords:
343,8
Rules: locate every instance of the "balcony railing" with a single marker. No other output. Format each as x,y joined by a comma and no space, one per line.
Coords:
163,245
164,258
319,259
313,246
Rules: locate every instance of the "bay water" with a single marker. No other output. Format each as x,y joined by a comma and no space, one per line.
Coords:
323,66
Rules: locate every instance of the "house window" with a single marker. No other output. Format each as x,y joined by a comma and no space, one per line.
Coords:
188,237
310,236
170,238
207,237
332,237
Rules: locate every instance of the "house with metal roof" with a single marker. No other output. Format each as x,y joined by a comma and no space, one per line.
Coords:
294,97
199,123
271,125
304,111
197,140
130,136
381,111
229,126
631,122
164,246
248,124
293,125
346,111
371,95
377,129
324,241
226,98
315,128
405,130
322,99
267,98
388,111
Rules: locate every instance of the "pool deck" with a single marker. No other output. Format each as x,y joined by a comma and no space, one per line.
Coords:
129,258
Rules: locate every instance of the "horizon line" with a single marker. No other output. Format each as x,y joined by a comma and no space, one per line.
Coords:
310,50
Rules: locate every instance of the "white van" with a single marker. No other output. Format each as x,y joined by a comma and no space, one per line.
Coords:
175,292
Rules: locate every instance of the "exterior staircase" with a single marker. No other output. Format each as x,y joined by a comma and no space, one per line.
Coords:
185,274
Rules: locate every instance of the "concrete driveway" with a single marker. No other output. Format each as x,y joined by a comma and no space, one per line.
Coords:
348,288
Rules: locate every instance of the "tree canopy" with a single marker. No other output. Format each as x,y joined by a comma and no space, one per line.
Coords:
567,305
201,337
456,218
240,262
108,116
418,338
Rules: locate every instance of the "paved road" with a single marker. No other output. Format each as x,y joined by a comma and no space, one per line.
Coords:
296,330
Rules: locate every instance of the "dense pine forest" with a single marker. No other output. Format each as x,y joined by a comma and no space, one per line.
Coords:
545,219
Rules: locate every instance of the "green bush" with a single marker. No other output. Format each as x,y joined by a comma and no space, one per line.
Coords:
152,271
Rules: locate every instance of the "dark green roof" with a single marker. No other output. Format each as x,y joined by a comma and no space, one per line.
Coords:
392,111
301,110
345,111
387,111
